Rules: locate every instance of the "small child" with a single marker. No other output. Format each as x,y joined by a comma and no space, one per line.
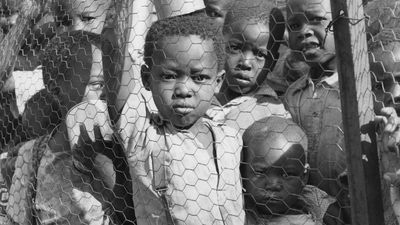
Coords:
185,167
314,100
252,31
53,182
275,174
384,55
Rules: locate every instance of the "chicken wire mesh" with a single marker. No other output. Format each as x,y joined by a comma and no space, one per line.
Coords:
192,112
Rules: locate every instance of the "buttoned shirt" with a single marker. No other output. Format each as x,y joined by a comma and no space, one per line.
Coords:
316,108
240,113
201,188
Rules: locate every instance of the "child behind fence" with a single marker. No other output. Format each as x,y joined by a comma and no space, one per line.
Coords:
54,182
185,167
253,31
275,173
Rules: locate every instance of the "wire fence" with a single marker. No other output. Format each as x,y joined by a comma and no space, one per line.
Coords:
199,112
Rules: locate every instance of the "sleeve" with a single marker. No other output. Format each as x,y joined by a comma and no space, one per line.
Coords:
67,194
134,120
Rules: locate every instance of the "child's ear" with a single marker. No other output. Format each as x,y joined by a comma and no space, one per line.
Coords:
219,80
146,77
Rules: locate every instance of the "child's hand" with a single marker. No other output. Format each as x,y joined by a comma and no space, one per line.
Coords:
88,156
390,124
394,180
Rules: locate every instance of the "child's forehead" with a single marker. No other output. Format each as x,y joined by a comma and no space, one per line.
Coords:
273,148
250,30
184,49
298,6
88,6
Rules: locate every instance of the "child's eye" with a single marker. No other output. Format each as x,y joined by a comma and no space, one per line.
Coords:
87,18
234,48
97,86
213,13
200,78
168,76
261,53
316,19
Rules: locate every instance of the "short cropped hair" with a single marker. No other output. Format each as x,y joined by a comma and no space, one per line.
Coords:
259,11
186,25
269,127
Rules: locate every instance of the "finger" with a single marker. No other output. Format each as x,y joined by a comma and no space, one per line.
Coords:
84,135
381,119
388,111
97,133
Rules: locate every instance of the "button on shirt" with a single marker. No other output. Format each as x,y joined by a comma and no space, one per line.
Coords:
316,108
201,188
242,112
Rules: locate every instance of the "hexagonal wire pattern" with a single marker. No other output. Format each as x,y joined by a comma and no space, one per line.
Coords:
294,165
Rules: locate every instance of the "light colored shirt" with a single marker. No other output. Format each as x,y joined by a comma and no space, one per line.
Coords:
58,194
27,84
316,108
201,188
242,112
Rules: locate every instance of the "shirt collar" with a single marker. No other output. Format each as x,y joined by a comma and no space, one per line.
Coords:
331,81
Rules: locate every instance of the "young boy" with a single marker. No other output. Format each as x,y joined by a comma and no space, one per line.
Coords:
54,182
185,167
314,100
384,54
252,32
275,176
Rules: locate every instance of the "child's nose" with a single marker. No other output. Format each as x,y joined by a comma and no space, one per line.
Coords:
273,184
245,61
182,90
306,32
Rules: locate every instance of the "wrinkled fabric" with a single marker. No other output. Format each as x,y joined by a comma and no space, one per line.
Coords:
316,202
47,188
242,112
316,108
201,188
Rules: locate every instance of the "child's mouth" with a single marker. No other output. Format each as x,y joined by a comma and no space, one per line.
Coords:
182,110
242,80
310,47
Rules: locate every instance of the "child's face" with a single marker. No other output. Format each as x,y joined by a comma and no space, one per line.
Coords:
87,81
88,15
385,65
217,9
247,61
184,78
307,20
274,174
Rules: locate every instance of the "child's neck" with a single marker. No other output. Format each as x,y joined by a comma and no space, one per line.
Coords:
228,95
319,71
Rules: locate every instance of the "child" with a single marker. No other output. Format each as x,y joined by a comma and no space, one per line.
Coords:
88,15
274,177
58,178
185,167
384,63
252,32
384,56
314,100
